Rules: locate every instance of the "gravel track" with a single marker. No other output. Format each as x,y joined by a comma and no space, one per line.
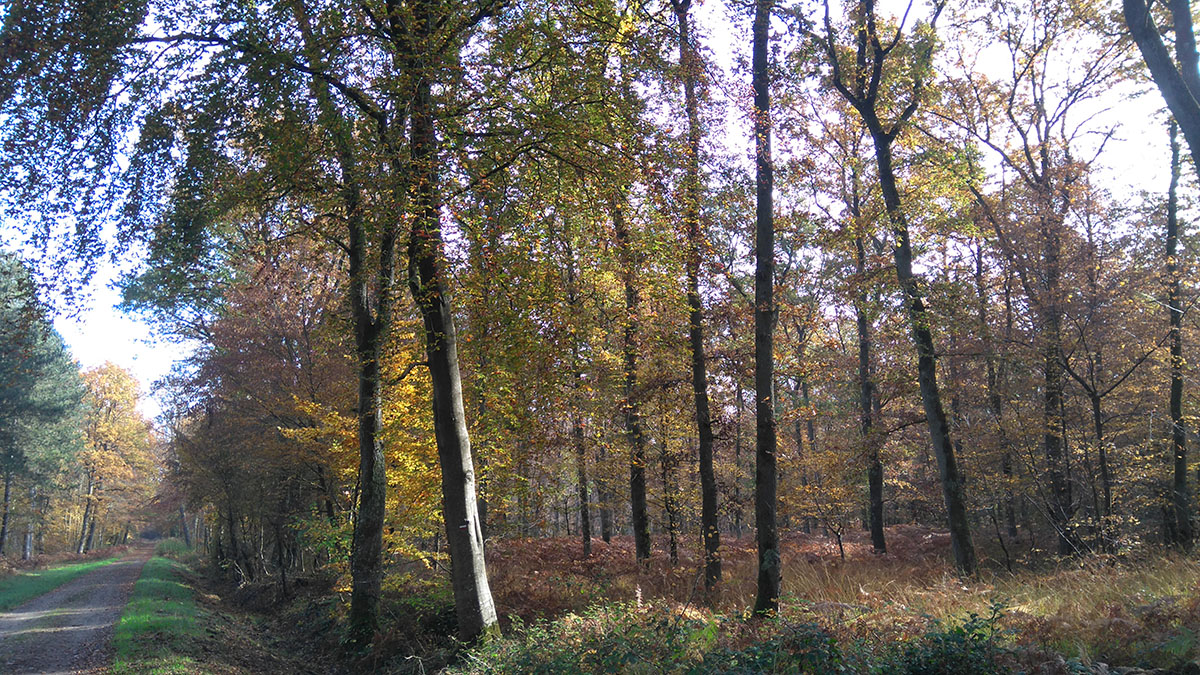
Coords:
69,629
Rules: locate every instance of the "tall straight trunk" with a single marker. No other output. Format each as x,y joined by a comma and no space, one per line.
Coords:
7,511
810,433
606,515
1180,493
1098,429
183,524
992,382
740,403
866,401
689,60
30,524
87,515
670,508
1001,378
473,603
633,415
370,327
91,534
235,545
577,435
766,443
1053,383
585,516
922,334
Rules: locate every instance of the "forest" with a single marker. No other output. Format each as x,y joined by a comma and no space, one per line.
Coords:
622,335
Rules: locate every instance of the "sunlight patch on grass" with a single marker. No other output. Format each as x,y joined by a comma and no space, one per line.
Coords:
160,618
24,586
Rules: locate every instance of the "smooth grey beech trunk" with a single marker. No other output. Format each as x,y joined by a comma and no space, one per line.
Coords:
473,603
30,524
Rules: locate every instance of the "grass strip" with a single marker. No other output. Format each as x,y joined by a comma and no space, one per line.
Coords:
159,624
18,588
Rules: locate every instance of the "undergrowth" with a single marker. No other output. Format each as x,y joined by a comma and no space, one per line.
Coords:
659,638
906,612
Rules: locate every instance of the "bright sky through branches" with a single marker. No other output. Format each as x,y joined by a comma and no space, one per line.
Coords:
1135,160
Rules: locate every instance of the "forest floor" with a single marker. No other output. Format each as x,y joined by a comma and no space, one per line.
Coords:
69,629
903,612
895,613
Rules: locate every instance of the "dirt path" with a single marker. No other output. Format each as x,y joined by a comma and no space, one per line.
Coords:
68,630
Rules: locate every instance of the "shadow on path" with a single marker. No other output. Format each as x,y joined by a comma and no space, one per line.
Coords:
69,629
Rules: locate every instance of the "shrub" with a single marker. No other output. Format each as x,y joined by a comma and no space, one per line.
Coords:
969,648
630,639
798,648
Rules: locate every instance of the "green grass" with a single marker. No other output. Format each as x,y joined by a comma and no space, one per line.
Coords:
24,586
172,548
158,624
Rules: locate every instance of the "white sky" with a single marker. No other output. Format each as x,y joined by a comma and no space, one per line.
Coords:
102,333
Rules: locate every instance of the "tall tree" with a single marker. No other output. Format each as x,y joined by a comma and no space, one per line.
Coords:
180,187
875,68
117,461
689,62
1030,123
40,388
632,400
765,472
1179,487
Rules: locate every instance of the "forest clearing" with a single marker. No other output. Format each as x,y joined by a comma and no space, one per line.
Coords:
600,336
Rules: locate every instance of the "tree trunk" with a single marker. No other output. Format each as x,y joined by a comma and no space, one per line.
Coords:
7,510
994,396
585,516
1001,378
867,397
472,596
30,524
765,473
1061,505
810,434
87,515
366,567
606,516
187,537
689,60
922,334
577,435
665,465
1179,86
1180,492
633,416
91,533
